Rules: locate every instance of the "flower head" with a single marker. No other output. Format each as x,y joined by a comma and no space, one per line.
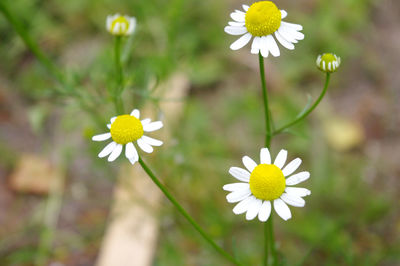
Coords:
125,130
266,184
328,62
120,25
263,20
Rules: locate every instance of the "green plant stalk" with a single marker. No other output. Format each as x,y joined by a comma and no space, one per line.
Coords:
49,66
305,114
120,76
269,242
186,215
20,29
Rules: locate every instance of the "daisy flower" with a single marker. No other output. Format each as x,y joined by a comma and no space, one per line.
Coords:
126,129
120,25
266,184
263,20
328,62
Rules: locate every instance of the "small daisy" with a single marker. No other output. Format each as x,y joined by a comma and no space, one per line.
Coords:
262,20
267,184
126,129
120,25
328,62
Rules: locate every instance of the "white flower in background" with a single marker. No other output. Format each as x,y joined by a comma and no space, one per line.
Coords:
266,184
120,25
263,20
126,129
328,62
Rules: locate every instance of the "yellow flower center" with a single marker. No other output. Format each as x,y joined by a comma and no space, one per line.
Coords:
125,129
123,21
267,182
263,18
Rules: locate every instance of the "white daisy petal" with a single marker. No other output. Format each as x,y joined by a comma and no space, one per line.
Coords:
264,47
133,160
145,121
151,141
129,150
265,211
242,206
283,14
238,195
136,113
298,191
245,7
238,17
237,24
235,186
109,22
283,41
282,209
281,158
113,119
265,156
107,149
132,25
286,35
293,200
255,46
296,27
253,209
291,167
144,146
272,46
115,153
297,178
102,137
293,33
249,163
152,126
240,174
234,30
109,126
242,41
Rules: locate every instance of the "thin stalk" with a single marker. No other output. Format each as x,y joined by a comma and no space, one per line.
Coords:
265,97
271,239
305,114
269,243
120,76
186,215
21,30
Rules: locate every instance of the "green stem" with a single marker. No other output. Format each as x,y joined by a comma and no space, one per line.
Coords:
21,30
305,114
268,135
120,76
269,243
271,239
185,214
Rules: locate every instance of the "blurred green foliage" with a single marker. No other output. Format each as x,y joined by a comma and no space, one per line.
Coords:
345,221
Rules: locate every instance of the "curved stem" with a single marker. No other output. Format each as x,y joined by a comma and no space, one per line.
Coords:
305,114
119,105
20,29
269,243
185,214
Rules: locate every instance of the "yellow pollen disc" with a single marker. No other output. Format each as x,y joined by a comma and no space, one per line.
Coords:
122,20
126,128
267,182
263,18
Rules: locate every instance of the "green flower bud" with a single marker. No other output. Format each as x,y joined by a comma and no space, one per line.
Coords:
328,62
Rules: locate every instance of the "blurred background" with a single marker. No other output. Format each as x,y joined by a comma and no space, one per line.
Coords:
350,144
